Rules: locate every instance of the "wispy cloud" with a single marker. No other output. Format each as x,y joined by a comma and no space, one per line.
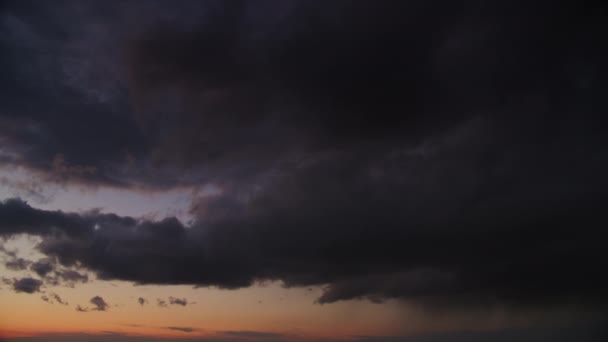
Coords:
178,301
182,329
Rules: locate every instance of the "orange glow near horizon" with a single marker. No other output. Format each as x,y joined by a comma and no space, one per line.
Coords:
268,309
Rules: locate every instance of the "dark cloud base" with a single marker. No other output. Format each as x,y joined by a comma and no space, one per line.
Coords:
472,265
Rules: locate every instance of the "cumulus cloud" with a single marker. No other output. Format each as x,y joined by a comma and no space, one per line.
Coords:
99,303
27,285
42,267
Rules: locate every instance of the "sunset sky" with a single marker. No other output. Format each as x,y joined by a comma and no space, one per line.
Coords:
303,170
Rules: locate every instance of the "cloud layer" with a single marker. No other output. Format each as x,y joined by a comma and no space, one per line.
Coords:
442,152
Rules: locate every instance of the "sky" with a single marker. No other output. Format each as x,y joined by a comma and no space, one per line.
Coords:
303,170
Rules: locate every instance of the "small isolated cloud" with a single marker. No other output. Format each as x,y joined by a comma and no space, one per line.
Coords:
58,299
81,309
100,304
17,264
52,298
178,301
182,329
27,285
42,267
161,303
142,301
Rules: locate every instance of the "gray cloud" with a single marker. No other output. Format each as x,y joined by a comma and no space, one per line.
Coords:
27,285
42,267
71,277
58,299
178,301
17,264
99,303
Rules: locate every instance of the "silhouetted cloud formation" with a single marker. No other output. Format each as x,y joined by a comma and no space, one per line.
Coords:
437,151
27,285
53,296
58,299
142,301
100,303
178,301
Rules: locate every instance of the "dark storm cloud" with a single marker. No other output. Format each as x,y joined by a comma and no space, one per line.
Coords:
590,331
53,77
27,285
100,303
178,301
426,150
232,89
